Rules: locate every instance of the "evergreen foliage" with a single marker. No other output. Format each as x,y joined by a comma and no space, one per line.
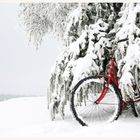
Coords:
83,27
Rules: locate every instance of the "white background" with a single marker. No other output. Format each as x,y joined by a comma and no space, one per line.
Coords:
23,69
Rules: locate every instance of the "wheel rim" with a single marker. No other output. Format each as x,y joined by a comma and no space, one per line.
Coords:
137,107
85,108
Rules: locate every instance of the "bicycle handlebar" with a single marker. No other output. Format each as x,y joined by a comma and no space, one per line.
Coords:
112,38
125,39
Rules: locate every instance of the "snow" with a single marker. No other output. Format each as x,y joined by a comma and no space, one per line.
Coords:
29,116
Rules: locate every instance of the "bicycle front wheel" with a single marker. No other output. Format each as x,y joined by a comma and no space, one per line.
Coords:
83,101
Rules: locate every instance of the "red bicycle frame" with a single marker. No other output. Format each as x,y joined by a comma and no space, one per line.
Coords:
111,76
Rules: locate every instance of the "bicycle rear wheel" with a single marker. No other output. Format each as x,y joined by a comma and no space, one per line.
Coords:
136,107
83,98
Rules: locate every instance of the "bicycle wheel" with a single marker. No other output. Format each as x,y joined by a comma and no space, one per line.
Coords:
136,107
83,98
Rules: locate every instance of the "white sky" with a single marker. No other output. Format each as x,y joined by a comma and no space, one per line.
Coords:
23,70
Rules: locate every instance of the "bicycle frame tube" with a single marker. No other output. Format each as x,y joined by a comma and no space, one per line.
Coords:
113,72
111,76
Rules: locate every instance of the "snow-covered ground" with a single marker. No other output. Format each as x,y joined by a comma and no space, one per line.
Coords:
28,116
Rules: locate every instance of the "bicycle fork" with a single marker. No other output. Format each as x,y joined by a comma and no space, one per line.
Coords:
104,91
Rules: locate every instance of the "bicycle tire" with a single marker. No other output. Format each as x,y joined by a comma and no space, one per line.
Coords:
134,109
73,105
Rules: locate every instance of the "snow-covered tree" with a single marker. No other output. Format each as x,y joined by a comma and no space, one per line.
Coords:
83,28
41,18
129,52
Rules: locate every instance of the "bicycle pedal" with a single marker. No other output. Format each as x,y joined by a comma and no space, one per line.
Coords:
125,106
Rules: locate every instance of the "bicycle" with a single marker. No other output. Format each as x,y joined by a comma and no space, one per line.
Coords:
104,102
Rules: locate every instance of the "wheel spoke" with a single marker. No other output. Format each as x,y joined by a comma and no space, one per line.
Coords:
90,113
108,104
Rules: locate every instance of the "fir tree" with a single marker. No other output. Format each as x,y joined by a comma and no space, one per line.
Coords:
82,27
